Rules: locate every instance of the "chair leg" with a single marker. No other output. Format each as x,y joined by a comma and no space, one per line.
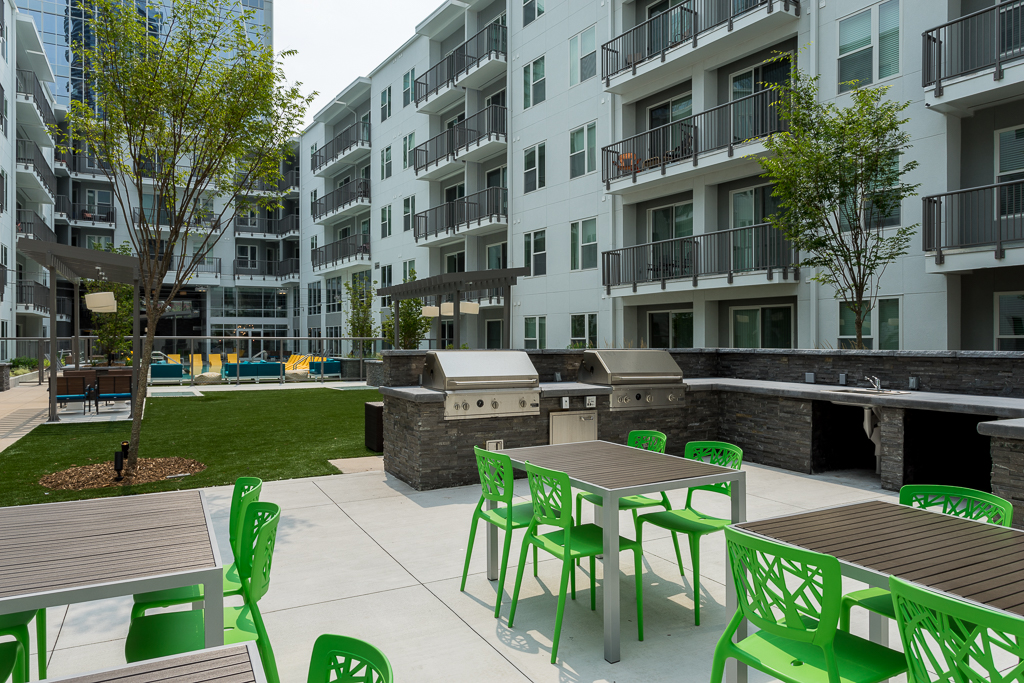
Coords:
566,571
579,516
695,558
593,585
469,550
572,579
501,574
679,555
519,581
844,614
41,642
639,569
535,560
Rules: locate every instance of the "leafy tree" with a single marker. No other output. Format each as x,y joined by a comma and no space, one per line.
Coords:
187,110
412,326
360,312
114,330
839,183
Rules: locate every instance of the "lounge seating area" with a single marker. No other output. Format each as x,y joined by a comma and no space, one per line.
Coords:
217,368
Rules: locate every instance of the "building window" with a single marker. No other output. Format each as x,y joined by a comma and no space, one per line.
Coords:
761,327
534,83
313,299
1010,321
583,244
385,162
408,211
409,270
334,289
670,222
455,262
861,36
3,191
385,281
497,256
583,150
670,329
535,334
534,174
535,252
312,243
408,145
385,104
1010,162
884,318
385,221
408,83
105,243
531,10
583,56
583,331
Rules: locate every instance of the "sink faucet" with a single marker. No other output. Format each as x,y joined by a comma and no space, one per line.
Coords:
876,383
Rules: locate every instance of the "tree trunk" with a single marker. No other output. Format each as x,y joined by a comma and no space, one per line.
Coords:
140,400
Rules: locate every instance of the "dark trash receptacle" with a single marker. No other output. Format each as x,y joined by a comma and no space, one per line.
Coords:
375,426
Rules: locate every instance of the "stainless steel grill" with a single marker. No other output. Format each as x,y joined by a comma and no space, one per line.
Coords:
484,383
639,378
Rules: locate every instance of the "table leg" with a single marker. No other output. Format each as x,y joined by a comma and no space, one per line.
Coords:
213,598
492,546
735,672
612,623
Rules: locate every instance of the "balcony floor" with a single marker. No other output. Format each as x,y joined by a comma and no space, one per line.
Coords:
346,158
347,263
31,121
484,227
32,185
350,209
963,94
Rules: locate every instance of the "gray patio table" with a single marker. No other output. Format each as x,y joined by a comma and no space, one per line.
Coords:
873,540
225,664
78,551
612,471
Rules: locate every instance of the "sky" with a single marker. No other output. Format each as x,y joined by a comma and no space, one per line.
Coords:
339,40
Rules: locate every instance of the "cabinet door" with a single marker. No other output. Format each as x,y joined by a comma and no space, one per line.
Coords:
573,426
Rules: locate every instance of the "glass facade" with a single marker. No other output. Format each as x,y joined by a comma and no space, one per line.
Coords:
248,302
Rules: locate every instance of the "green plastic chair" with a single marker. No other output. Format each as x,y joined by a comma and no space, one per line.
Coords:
552,506
496,482
340,659
247,490
691,521
13,662
172,633
946,639
953,500
792,596
16,625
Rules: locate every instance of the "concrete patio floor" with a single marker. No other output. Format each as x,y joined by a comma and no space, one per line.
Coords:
362,554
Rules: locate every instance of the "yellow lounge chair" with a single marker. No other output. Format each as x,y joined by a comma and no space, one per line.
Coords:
232,357
197,363
174,358
290,363
215,364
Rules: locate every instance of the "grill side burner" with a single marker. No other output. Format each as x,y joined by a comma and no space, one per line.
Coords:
639,378
483,383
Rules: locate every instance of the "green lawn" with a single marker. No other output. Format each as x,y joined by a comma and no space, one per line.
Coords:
267,434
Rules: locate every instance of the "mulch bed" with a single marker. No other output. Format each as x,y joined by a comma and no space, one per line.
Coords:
102,475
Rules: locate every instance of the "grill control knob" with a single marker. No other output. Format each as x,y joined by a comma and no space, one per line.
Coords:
465,406
671,397
649,398
494,404
456,406
522,403
625,399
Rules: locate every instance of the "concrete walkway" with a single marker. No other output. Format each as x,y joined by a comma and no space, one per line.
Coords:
21,410
362,554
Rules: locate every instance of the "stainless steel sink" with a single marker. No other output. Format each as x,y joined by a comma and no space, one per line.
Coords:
867,392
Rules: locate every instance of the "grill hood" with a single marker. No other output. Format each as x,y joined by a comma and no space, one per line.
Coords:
629,366
460,370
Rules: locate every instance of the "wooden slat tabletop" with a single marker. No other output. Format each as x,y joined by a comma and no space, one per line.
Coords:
219,665
974,560
66,545
613,466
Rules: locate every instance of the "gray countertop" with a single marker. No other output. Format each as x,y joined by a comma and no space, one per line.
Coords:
547,390
1007,429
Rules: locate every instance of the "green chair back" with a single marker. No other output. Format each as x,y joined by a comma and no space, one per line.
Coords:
713,453
340,659
647,439
552,497
788,592
496,477
247,490
959,501
259,534
946,639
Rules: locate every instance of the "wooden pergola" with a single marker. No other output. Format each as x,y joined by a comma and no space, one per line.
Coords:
455,284
75,264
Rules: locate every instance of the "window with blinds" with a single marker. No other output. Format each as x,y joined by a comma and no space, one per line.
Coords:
1010,162
869,46
1010,321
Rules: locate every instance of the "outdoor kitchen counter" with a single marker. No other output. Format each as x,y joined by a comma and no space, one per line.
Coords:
1004,429
547,390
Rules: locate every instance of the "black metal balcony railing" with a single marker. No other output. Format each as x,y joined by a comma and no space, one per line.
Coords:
726,252
28,84
272,227
289,180
355,247
490,42
30,155
61,204
990,215
682,24
450,217
64,306
357,133
30,224
85,164
92,213
209,265
342,197
164,219
34,295
981,40
253,268
724,127
488,123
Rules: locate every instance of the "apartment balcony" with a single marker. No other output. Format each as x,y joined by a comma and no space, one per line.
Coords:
289,182
351,198
34,176
699,143
284,270
61,163
85,167
267,228
642,60
976,60
33,227
85,215
471,65
740,256
207,271
33,299
480,214
348,251
347,147
163,220
35,116
61,210
479,137
65,309
980,227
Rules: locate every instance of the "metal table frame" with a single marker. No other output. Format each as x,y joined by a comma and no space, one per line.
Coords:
610,523
212,579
